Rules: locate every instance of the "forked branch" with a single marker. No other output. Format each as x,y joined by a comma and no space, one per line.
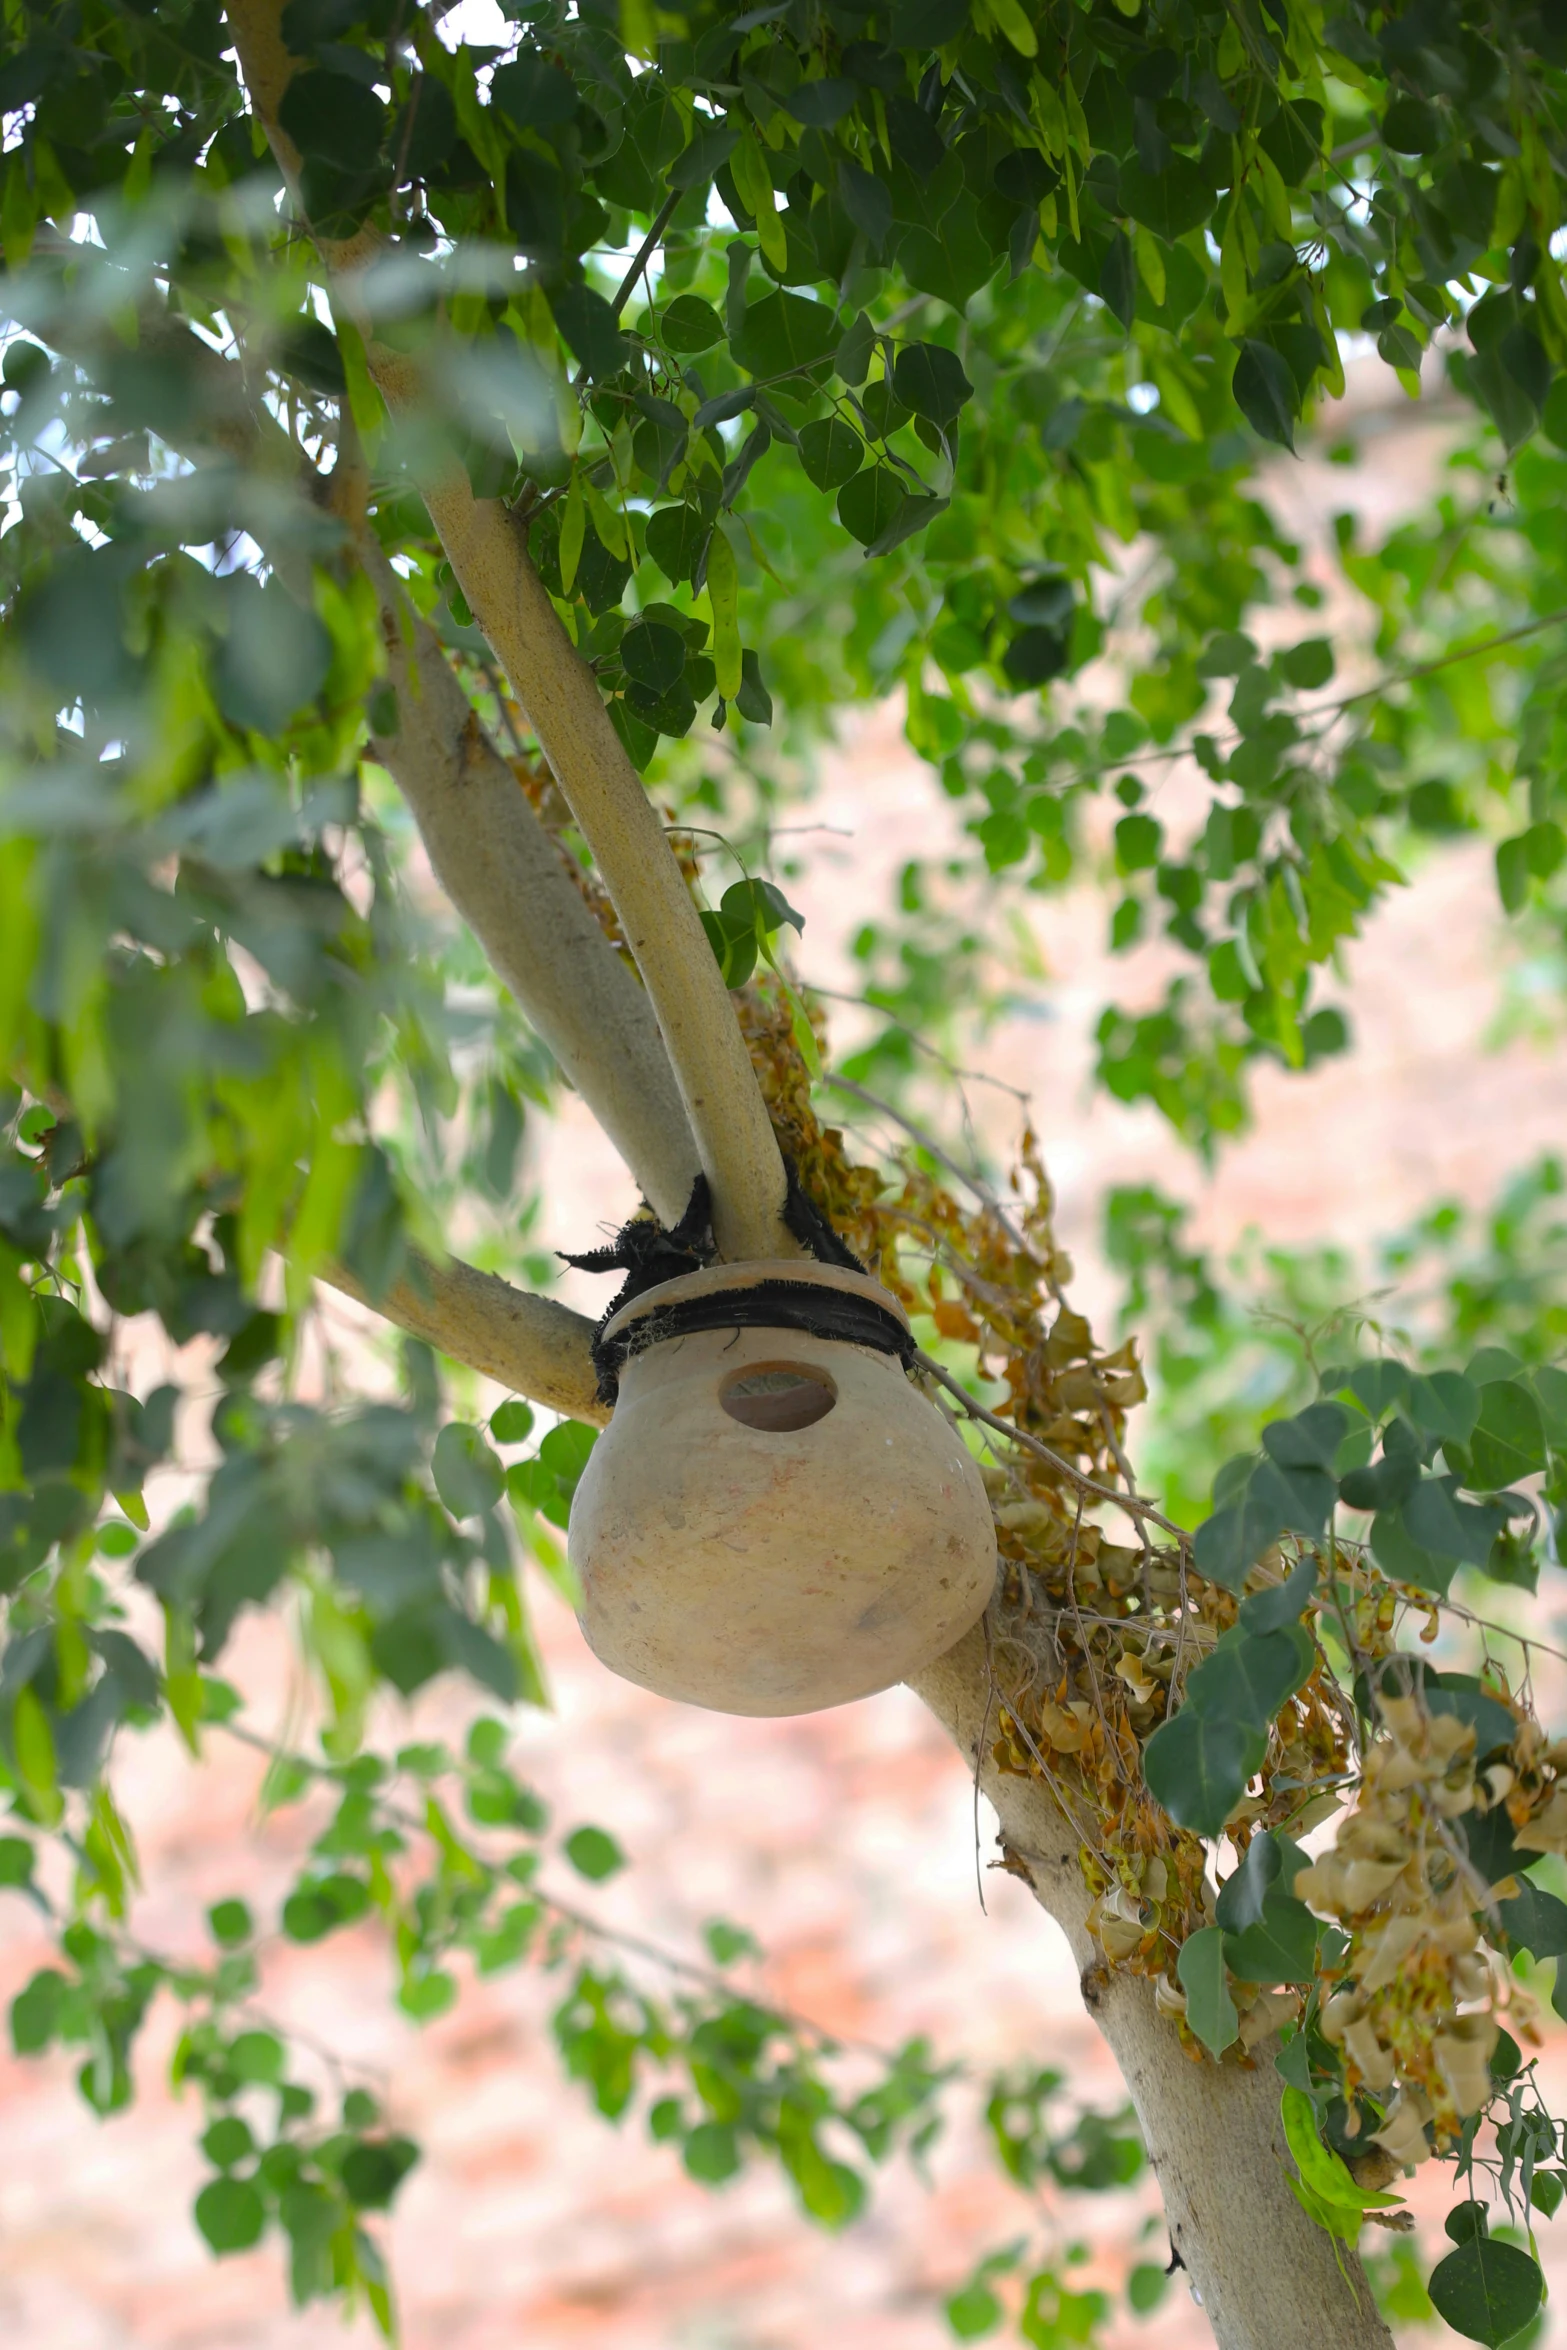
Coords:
508,881
555,687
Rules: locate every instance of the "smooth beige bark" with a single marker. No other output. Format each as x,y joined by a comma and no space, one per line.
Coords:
487,550
533,1345
507,880
1267,2277
723,1101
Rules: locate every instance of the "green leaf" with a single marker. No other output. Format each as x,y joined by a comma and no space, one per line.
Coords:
373,2171
590,329
711,2153
1537,1922
36,2011
712,146
1444,1405
512,1421
753,700
594,1854
1308,1441
1323,2173
1487,2291
16,1861
316,1910
1243,1895
871,504
972,2312
425,1997
831,452
228,2141
566,1450
230,2214
1210,2010
1146,2287
1509,1437
468,1477
1139,841
334,118
1554,417
1377,1386
783,334
532,94
1170,202
1550,1387
230,1923
676,536
1272,1610
1523,355
1280,1948
1198,1765
653,655
1433,1516
1265,394
1466,2220
1249,1675
929,380
823,103
1273,1501
1412,127
1036,655
256,2056
1307,665
1406,1560
689,325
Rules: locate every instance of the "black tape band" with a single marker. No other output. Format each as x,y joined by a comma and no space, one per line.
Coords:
818,1312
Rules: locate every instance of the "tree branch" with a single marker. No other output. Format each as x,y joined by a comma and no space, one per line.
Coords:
533,1345
509,883
492,857
486,549
1267,2277
728,1117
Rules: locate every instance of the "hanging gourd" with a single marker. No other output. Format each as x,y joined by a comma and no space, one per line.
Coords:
775,1520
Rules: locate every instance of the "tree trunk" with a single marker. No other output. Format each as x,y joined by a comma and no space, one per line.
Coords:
1267,2278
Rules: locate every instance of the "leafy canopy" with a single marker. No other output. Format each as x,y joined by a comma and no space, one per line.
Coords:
823,353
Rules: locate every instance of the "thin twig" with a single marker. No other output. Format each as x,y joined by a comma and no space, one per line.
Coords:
1328,710
639,1945
970,1181
646,249
1129,1502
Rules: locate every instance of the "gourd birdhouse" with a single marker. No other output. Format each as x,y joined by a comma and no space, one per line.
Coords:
775,1520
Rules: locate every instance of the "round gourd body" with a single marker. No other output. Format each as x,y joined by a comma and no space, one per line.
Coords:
773,1522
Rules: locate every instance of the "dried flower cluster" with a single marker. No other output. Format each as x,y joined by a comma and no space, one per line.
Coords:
1093,1639
1420,1997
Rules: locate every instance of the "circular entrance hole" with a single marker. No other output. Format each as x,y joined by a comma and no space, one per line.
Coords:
778,1396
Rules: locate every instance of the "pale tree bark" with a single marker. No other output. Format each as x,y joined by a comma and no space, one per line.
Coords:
533,1345
724,1104
1268,2279
486,547
507,880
